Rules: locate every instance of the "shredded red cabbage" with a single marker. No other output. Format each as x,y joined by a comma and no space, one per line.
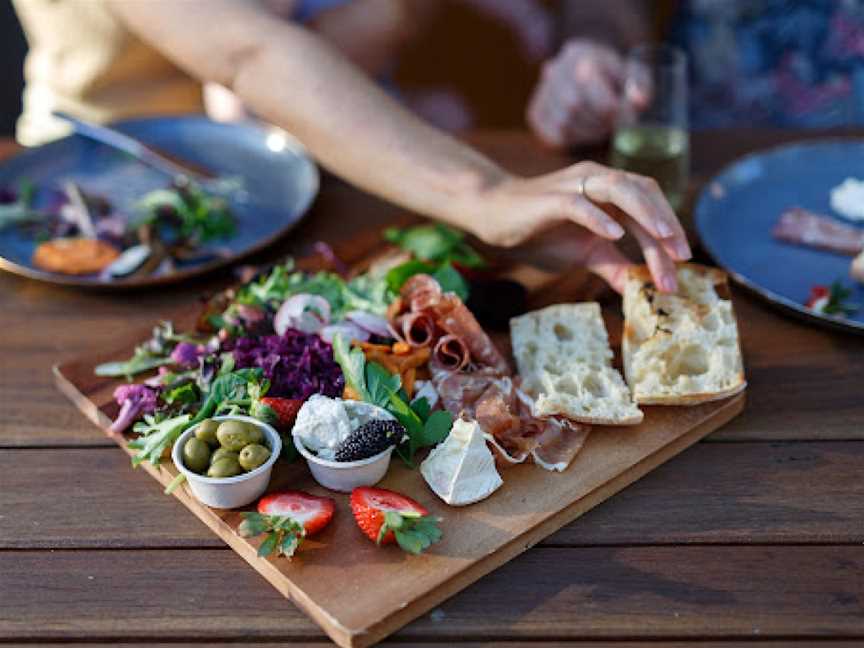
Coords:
297,364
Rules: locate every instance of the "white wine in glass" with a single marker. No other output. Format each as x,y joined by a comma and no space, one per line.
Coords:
661,152
651,136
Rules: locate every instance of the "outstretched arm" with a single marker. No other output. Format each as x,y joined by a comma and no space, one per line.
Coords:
294,79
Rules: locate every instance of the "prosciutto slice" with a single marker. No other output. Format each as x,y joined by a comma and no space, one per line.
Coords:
421,292
417,329
451,354
559,442
503,411
802,227
455,318
423,315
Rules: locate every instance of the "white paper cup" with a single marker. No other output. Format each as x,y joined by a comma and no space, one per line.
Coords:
230,492
345,476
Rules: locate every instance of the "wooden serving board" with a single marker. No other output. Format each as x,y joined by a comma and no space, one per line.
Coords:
359,593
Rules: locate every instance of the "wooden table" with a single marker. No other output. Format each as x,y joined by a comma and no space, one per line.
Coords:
753,535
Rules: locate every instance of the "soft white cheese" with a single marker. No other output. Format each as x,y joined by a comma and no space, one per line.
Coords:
847,199
322,424
461,470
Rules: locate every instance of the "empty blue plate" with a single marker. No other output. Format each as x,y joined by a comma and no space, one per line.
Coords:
737,210
279,178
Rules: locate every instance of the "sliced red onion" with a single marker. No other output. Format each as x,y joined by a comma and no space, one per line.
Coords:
304,312
375,324
347,330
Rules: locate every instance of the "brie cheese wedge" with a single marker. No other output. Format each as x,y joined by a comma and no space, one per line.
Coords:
461,469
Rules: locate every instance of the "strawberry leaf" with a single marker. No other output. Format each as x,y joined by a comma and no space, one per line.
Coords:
414,532
253,524
284,534
289,545
269,545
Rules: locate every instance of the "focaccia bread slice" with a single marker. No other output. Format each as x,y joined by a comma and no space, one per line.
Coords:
682,348
563,356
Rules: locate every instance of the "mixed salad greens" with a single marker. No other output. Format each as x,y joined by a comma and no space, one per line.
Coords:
254,353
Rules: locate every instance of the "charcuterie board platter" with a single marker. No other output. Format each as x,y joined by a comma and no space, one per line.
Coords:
358,592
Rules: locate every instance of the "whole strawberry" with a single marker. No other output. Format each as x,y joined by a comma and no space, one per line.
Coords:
385,517
278,412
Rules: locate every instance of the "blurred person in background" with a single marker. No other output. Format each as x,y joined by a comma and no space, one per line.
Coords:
99,58
782,63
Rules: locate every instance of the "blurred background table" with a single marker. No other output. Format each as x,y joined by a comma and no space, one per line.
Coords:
752,535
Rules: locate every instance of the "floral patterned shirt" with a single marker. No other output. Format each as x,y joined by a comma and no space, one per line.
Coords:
786,63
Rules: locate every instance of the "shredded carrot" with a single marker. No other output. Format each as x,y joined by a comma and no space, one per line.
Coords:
368,346
401,348
416,358
408,381
401,359
349,394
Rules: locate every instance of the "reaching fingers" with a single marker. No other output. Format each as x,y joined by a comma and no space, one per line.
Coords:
641,199
659,262
568,207
606,261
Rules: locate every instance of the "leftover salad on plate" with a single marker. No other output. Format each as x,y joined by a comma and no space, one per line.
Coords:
83,233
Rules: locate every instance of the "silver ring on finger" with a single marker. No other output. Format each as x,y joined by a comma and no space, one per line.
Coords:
580,188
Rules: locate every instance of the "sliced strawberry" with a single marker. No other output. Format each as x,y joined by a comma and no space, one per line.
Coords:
310,511
278,412
386,517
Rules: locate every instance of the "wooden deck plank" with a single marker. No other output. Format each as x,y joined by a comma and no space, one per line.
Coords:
588,593
712,493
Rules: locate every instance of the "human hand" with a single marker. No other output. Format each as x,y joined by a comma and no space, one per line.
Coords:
579,212
578,96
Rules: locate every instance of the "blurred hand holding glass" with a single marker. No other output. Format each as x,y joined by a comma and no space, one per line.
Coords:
651,136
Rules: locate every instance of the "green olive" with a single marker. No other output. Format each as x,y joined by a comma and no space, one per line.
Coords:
196,455
225,467
256,434
253,455
206,431
233,435
221,453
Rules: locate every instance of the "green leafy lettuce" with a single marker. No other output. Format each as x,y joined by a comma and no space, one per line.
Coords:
378,386
364,292
435,243
445,274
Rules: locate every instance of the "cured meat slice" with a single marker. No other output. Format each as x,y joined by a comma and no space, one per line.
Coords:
418,329
559,442
803,227
455,318
503,411
451,354
421,292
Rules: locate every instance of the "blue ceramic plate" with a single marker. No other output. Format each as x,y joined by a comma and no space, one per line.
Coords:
279,179
737,210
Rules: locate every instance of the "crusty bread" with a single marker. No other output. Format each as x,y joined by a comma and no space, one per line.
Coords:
565,362
682,348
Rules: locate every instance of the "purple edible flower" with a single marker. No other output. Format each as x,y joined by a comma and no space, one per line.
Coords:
186,354
297,364
134,400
